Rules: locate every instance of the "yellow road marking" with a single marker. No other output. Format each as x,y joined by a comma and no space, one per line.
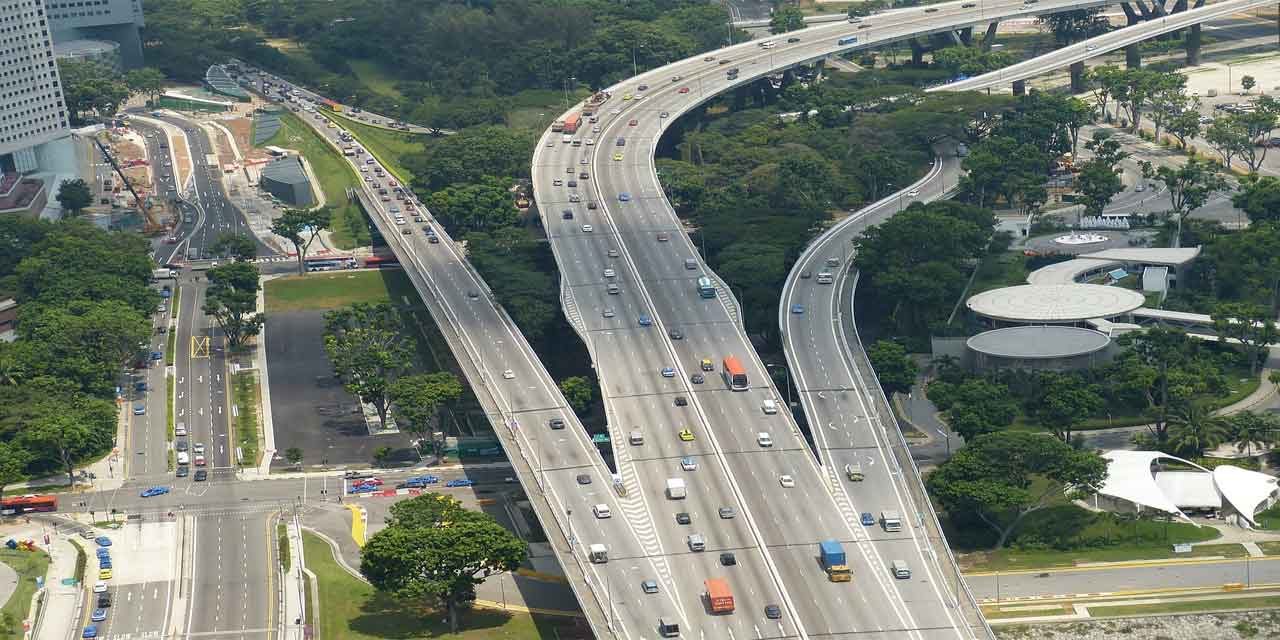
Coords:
357,524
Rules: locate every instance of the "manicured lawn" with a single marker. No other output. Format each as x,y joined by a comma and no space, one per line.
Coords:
1270,519
352,609
244,391
1270,548
1013,559
996,613
29,565
1189,606
331,289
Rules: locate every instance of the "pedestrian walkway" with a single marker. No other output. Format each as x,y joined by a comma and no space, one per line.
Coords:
63,602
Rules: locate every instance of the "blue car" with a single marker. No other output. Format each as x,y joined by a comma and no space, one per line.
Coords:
99,615
365,488
668,372
868,519
104,563
155,491
460,482
103,541
90,631
624,197
102,552
156,355
139,409
417,482
645,320
797,309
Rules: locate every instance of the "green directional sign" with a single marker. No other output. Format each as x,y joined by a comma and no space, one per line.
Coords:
600,438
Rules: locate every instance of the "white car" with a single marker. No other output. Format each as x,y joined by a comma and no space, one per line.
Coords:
586,228
787,481
602,511
764,439
591,141
100,587
913,193
509,374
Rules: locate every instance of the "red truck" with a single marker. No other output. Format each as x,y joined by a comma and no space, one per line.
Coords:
571,123
719,596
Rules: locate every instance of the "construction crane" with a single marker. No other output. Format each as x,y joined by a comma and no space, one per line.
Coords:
151,225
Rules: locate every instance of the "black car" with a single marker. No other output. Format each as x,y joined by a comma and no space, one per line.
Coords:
201,475
697,378
683,518
682,401
183,471
772,611
591,205
104,600
793,40
556,423
676,334
567,214
584,478
181,446
728,559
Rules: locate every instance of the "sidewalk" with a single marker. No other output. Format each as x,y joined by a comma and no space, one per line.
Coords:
62,609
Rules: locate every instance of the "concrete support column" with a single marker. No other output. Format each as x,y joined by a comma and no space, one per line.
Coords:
1132,57
1193,46
1019,87
990,38
1077,77
917,52
966,35
1130,16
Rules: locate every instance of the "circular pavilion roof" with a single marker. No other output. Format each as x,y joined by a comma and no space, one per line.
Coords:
1039,342
1055,303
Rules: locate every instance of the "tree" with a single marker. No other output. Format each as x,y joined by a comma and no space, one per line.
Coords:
1248,428
1247,83
440,564
577,390
484,205
13,463
369,350
1259,198
293,455
147,81
240,247
1153,367
232,300
1072,26
1001,477
1135,90
895,369
1107,81
1189,185
1194,428
1184,126
1237,136
786,19
91,87
74,196
1098,180
974,407
293,223
63,435
1167,97
382,455
1064,401
1253,325
1078,114
420,398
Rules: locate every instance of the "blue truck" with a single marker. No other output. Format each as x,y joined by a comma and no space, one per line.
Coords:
834,561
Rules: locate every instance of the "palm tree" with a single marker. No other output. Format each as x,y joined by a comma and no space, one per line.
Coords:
1193,428
1249,428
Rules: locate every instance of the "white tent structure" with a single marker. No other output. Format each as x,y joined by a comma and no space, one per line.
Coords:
1138,481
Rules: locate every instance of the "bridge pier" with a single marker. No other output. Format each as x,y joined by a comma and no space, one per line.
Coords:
1132,57
1019,87
990,37
917,52
1077,77
1193,46
965,35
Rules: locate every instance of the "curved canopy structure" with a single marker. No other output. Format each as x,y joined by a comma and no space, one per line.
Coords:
1130,478
1246,491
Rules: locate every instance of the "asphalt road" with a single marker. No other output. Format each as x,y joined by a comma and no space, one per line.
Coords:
232,588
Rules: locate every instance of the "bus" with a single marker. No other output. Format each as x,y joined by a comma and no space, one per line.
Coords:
381,262
734,374
847,40
27,504
706,288
330,264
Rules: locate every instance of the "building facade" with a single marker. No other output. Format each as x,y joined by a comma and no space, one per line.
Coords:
118,21
32,110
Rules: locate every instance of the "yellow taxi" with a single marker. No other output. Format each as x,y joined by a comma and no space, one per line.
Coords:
707,365
617,157
626,96
104,574
686,435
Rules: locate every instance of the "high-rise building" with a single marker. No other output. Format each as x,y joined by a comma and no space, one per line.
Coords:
115,21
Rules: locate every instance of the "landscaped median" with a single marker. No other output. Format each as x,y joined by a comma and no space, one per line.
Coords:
29,565
244,394
1138,602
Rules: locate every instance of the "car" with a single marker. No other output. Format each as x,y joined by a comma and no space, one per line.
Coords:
200,461
182,472
643,87
365,488
98,615
567,214
595,129
682,401
556,423
583,176
663,236
649,586
913,193
624,197
688,463
557,182
584,478
617,157
586,228
932,10
591,206
797,309
1090,47
613,253
696,378
569,170
508,375
473,294
139,409
377,482
727,513
90,631
772,611
154,491
100,587
683,90
608,312
725,61
668,372
626,96
572,183
793,40
708,58
102,541
199,448
683,518
633,122
201,475
676,334
706,364
868,519
968,5
460,482
645,320
764,439
104,574
104,600
728,559
686,435
550,143
677,78
573,197
664,114
786,481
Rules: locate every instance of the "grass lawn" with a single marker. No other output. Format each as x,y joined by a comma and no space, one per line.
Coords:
997,613
373,76
352,609
1269,518
386,145
1188,606
244,390
29,565
537,108
1003,270
1014,559
331,289
1270,548
335,175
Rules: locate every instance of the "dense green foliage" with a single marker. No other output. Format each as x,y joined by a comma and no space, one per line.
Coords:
77,326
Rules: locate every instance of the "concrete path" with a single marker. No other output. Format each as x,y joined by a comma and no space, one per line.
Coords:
63,606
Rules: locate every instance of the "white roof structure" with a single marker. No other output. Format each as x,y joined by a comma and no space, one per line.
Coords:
1055,303
1162,256
1130,478
1069,271
1038,342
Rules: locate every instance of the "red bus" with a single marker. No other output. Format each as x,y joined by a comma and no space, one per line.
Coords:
734,374
381,262
27,504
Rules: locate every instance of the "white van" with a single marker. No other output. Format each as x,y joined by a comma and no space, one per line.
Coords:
602,511
824,277
637,438
599,553
900,569
183,458
769,406
768,44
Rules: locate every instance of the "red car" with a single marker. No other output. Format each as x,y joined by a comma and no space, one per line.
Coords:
684,89
376,482
634,122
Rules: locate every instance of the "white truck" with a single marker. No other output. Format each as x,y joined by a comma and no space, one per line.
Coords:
599,553
162,274
891,521
676,488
